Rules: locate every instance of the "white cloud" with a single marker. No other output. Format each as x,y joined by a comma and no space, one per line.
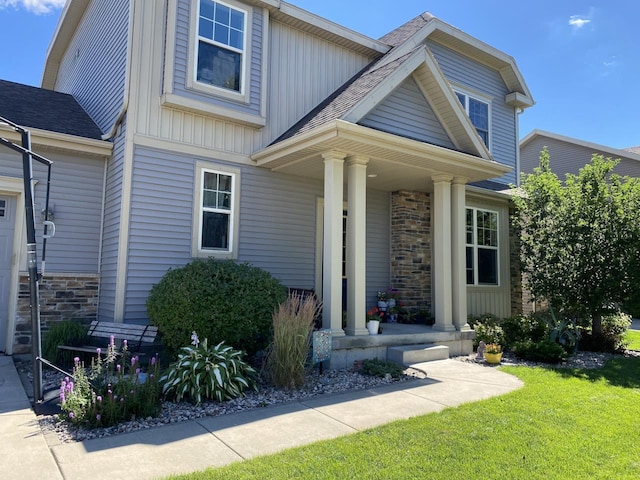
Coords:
578,21
35,6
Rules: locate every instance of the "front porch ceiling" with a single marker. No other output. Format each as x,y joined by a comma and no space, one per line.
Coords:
397,162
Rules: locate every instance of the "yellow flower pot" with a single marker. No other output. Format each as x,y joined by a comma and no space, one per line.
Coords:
492,358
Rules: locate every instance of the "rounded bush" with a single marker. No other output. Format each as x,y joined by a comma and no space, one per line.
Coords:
221,300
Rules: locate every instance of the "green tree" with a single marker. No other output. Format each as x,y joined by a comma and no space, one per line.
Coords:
580,240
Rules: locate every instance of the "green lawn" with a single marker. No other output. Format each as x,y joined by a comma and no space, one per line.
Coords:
563,424
633,337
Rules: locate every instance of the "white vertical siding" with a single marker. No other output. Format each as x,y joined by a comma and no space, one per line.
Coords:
93,67
478,77
407,113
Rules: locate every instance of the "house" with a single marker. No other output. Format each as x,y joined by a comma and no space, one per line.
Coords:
569,155
256,131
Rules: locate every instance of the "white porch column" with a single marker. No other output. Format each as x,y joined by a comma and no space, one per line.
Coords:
442,252
356,245
332,249
458,254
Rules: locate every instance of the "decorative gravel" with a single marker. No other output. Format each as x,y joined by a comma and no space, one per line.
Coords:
330,382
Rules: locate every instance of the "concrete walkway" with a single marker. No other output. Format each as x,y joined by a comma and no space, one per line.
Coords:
215,441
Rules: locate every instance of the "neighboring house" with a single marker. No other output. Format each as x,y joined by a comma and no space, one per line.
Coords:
256,131
569,155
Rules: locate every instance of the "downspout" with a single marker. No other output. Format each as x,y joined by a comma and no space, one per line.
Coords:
127,79
517,112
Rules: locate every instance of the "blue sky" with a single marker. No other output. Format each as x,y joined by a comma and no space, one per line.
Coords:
580,59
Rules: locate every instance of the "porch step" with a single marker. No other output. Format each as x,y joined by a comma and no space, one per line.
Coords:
410,354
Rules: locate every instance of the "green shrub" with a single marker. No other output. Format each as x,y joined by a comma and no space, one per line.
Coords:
222,300
65,332
114,390
288,353
380,368
541,351
487,328
614,329
216,373
524,327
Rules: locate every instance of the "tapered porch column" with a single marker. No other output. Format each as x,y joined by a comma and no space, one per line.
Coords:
332,246
356,245
458,254
442,252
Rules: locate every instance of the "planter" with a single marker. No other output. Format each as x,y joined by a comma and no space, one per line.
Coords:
373,326
493,358
391,302
382,305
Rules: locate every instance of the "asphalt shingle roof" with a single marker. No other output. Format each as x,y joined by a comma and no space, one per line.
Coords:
404,32
35,107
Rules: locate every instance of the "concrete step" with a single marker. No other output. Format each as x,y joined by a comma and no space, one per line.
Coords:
409,354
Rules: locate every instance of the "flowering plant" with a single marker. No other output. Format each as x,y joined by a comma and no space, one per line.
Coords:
392,293
375,314
382,296
493,348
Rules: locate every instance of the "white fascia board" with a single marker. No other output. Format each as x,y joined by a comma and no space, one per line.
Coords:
65,29
61,141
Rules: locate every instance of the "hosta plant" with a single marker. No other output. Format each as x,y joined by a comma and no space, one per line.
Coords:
202,373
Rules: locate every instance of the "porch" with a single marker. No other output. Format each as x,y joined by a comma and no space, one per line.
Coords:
348,349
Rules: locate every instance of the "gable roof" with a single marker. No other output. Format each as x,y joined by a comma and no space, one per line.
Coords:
34,107
632,153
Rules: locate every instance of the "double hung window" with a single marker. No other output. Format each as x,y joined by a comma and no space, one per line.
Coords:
482,247
478,112
216,216
221,45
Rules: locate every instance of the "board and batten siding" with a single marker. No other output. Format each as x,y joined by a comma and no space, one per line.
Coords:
474,76
565,157
76,200
303,71
277,224
407,113
182,69
111,229
93,66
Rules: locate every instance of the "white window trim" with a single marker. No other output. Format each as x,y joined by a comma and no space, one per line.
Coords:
234,173
481,98
193,84
475,248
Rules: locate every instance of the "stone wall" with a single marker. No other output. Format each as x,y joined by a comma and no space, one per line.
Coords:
517,293
411,248
62,297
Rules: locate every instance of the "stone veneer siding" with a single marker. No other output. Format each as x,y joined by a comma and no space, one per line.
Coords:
411,248
62,296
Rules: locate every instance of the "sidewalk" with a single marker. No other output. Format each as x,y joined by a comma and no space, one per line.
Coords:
215,441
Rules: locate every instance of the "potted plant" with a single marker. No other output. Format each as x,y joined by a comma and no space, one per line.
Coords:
392,297
382,301
373,320
493,353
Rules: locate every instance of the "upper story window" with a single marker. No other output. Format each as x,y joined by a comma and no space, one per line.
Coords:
3,207
478,111
482,247
221,45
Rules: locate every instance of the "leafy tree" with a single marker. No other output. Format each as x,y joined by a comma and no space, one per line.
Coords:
580,241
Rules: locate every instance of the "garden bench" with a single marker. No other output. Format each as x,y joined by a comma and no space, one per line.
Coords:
135,335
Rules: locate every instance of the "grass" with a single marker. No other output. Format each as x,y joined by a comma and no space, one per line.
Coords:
633,337
563,424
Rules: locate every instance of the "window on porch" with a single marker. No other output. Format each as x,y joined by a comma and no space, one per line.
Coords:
482,247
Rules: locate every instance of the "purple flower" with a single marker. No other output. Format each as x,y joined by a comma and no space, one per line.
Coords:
99,398
153,361
118,367
132,392
124,342
109,391
98,351
98,417
62,397
76,360
115,397
122,399
137,371
71,415
111,341
151,375
133,361
67,379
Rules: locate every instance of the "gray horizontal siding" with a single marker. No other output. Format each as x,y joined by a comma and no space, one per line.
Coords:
569,158
76,197
93,67
111,230
464,71
277,225
407,113
182,69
